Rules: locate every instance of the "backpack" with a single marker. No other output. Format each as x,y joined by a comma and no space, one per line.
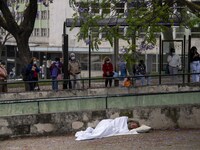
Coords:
141,69
54,71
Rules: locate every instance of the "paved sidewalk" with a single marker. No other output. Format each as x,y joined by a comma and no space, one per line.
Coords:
154,140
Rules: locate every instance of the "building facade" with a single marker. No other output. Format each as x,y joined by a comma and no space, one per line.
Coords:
46,40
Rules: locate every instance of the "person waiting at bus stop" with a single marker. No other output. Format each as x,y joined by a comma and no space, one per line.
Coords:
32,71
194,59
141,74
55,70
107,69
174,62
74,68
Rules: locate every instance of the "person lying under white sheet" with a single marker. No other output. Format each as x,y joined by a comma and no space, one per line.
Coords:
109,127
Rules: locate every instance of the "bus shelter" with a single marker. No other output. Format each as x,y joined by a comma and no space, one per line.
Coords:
122,22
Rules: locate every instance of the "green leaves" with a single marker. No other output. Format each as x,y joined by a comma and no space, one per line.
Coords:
143,20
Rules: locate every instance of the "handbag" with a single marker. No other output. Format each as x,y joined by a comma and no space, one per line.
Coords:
179,67
60,77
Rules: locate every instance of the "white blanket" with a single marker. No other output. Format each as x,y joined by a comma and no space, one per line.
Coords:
106,128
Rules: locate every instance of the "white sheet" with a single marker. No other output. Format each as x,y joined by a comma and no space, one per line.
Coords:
106,128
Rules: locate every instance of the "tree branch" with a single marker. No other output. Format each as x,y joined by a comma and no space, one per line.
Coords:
8,21
194,8
3,23
29,17
6,38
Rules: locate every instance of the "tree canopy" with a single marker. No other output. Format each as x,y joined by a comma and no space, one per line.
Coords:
22,30
140,16
20,26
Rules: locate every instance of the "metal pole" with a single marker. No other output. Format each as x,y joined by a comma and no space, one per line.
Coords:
183,65
89,60
189,45
116,53
65,57
160,59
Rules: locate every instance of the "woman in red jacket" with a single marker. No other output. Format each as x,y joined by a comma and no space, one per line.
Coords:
107,71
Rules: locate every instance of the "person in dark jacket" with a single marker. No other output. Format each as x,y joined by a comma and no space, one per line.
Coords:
141,73
32,71
194,59
107,69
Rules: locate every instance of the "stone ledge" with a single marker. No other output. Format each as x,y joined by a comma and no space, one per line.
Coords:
157,117
98,92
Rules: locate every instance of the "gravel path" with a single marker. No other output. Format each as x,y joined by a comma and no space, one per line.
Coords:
154,140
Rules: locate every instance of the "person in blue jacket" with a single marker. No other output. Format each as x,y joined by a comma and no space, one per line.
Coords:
32,74
122,69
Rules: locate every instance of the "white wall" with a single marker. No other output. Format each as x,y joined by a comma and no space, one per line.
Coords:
58,14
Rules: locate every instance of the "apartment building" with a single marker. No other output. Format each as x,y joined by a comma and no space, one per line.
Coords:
46,40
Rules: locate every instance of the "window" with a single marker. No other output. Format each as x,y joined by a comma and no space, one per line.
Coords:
95,9
36,32
20,1
119,7
44,15
2,31
10,51
44,32
19,16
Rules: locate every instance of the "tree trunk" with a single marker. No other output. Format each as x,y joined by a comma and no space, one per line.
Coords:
1,50
23,49
24,53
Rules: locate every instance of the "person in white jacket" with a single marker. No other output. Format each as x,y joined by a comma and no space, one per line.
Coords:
174,62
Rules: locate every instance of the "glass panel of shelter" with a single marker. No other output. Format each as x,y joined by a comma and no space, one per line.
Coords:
165,51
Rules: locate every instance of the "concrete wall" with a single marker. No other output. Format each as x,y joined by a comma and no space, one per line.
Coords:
160,117
64,112
76,104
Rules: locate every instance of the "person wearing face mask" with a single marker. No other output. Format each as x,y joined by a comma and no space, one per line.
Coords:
56,71
174,62
107,69
32,73
194,58
74,68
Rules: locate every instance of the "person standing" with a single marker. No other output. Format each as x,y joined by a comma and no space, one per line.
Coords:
32,72
174,62
3,77
55,70
122,69
107,69
140,73
74,68
194,58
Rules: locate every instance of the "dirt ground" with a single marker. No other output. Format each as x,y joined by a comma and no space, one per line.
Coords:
154,140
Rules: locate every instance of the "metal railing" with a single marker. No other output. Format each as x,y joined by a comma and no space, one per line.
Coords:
37,102
14,86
